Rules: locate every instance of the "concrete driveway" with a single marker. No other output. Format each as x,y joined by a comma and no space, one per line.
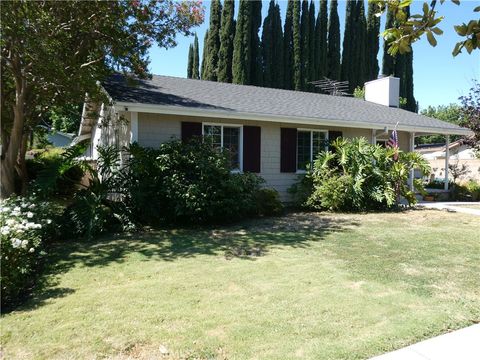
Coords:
458,345
452,206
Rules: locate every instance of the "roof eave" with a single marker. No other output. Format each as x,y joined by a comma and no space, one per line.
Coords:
175,110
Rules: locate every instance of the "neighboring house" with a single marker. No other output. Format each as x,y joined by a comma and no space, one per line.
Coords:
58,138
272,132
459,153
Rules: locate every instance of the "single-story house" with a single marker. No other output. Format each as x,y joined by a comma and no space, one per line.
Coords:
460,154
272,132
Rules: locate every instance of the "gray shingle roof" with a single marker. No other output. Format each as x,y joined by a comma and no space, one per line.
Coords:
232,98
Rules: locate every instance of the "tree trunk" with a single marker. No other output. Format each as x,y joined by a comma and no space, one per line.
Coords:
22,165
11,153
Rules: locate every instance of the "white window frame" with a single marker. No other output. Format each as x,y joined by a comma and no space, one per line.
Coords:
240,146
302,171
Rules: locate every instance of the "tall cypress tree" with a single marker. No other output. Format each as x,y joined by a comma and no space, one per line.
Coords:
321,41
305,41
311,46
288,47
256,73
278,49
272,48
400,66
349,63
190,62
227,34
373,41
409,95
242,58
360,75
213,41
267,46
406,91
196,59
204,55
334,42
297,48
388,61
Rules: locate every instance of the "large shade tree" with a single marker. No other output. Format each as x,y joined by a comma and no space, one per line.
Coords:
53,53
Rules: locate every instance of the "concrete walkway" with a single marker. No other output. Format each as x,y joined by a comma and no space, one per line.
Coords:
451,206
462,344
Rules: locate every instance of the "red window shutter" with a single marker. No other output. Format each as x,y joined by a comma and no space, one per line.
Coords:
251,148
332,136
288,150
191,129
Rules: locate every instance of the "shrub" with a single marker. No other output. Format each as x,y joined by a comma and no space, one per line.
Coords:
187,182
473,187
358,176
100,206
268,202
467,191
25,225
53,172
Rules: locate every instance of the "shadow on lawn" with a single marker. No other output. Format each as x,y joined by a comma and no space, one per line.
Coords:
247,240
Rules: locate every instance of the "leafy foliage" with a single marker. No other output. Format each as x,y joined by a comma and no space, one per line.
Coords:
467,191
99,207
470,112
268,202
227,34
333,42
450,113
212,46
65,118
358,176
52,54
272,48
25,224
411,28
187,182
57,171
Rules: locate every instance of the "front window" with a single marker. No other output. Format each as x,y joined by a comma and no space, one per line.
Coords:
309,144
226,137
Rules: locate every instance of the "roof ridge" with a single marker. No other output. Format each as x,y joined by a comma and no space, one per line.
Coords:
254,86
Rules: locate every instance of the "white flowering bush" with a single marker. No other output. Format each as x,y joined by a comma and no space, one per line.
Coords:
25,224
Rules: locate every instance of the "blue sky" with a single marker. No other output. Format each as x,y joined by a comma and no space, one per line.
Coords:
439,78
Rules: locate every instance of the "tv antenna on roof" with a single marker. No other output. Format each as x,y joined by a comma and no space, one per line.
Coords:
332,87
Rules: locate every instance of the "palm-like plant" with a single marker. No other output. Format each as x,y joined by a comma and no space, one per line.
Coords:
357,175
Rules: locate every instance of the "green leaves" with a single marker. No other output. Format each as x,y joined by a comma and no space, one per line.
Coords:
472,32
431,38
359,176
408,29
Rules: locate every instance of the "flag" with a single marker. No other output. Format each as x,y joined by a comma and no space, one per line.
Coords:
393,143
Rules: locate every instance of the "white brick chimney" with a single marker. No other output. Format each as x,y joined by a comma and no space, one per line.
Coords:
383,91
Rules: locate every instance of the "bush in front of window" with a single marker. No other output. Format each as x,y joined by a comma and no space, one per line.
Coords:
188,182
268,202
358,176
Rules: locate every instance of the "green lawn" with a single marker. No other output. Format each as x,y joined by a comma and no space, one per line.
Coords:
300,286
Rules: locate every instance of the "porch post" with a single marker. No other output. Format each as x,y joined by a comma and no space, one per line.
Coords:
374,136
133,127
447,160
411,148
